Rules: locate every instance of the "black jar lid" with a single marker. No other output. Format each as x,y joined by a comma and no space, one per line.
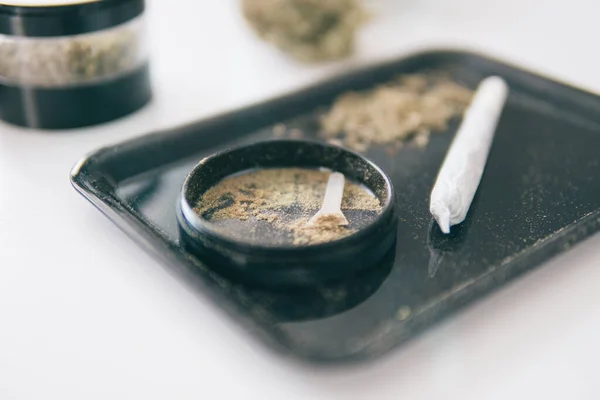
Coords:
284,265
65,17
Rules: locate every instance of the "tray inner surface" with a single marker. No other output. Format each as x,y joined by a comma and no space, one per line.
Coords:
539,195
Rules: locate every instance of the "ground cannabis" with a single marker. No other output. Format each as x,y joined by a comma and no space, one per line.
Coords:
408,108
63,61
308,30
285,199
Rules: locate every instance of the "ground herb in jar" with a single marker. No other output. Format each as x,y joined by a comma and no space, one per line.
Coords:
273,207
63,61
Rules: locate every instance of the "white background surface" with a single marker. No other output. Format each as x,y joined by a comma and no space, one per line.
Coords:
86,314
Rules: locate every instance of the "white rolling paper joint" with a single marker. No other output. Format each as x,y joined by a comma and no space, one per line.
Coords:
465,161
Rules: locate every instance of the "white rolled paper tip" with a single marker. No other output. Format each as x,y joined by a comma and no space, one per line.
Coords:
441,215
492,91
495,80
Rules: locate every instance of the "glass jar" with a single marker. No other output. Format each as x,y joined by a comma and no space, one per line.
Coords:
71,64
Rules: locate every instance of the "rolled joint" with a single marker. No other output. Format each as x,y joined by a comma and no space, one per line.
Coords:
441,214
